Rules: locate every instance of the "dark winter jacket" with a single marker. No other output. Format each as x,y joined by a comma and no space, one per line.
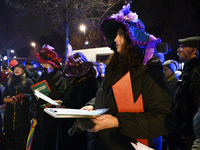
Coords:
16,115
80,91
47,130
34,74
187,98
157,119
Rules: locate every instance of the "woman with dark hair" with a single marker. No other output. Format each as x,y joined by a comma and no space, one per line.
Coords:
16,96
134,89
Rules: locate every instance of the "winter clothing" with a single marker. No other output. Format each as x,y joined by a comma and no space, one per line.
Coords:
16,114
187,103
82,88
172,74
147,85
47,131
156,120
34,74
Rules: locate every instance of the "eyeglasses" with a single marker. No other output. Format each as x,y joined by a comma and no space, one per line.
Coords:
182,46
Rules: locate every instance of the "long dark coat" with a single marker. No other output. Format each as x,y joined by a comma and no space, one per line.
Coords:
157,119
187,101
16,122
47,132
80,91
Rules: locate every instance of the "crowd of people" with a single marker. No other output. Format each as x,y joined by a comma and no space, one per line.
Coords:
150,100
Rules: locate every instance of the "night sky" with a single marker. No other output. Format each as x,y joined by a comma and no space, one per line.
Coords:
167,19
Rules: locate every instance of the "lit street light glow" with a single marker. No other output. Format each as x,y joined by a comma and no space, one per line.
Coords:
86,42
5,58
33,44
82,28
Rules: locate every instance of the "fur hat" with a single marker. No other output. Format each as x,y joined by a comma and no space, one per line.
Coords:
48,55
191,42
13,63
171,64
134,28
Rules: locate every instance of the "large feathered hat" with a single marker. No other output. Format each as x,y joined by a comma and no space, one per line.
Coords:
48,55
134,28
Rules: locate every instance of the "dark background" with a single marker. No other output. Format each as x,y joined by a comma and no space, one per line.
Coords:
167,19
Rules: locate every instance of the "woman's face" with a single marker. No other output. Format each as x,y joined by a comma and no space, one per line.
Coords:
119,40
48,66
18,71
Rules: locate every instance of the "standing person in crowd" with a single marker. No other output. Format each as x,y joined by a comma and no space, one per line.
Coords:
187,96
47,128
172,73
137,95
81,75
196,127
16,96
33,71
5,73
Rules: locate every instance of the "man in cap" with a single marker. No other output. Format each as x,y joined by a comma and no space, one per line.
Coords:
33,71
187,95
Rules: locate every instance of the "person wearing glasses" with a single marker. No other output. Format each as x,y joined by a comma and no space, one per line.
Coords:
187,95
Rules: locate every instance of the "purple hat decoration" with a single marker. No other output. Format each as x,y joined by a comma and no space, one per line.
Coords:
135,30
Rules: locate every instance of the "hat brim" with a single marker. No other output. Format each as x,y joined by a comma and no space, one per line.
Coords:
46,61
109,30
135,31
78,71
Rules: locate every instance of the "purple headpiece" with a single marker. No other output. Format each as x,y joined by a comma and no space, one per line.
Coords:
135,30
77,65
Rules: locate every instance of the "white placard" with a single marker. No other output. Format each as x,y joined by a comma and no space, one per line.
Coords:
74,113
46,98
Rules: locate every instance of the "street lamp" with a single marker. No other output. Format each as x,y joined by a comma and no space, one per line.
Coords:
33,44
86,42
82,28
8,55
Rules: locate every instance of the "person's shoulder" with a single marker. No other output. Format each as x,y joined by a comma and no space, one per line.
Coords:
196,68
29,80
154,64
